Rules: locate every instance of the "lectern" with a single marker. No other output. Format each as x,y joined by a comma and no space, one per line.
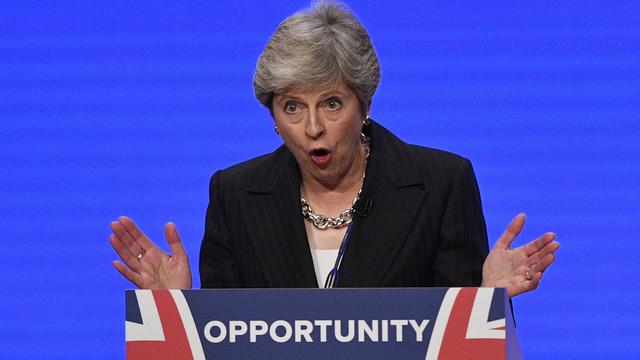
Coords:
376,323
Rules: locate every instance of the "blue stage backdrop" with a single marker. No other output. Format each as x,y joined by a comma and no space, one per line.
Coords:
114,108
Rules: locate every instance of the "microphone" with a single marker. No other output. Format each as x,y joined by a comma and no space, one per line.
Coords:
363,206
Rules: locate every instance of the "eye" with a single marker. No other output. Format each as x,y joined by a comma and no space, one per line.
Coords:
334,104
291,107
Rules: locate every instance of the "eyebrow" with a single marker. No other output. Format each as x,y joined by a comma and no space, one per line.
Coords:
325,94
285,97
332,92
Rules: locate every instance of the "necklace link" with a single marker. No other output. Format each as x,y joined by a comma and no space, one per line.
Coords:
323,222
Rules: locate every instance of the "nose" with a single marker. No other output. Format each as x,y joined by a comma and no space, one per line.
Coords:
314,127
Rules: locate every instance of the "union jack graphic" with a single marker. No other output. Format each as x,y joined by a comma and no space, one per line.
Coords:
462,329
167,330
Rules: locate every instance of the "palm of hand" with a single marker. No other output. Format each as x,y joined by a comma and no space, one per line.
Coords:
518,270
507,268
147,266
164,271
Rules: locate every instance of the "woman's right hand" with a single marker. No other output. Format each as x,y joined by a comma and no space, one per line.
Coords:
146,265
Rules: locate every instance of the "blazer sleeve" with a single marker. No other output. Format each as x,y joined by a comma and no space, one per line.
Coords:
462,244
218,265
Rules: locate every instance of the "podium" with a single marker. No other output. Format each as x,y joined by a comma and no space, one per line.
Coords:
342,323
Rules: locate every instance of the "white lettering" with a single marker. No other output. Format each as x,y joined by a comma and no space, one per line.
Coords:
385,330
273,331
323,324
398,324
303,329
344,331
337,327
219,325
371,332
257,328
236,328
419,329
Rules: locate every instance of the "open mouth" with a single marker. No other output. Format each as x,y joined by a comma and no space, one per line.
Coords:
319,152
320,157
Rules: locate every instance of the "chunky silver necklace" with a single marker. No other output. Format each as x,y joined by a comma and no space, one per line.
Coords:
324,222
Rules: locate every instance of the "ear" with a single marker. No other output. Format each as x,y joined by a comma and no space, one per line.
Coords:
365,113
366,109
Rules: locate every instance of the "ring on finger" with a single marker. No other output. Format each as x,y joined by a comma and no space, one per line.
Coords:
528,275
139,257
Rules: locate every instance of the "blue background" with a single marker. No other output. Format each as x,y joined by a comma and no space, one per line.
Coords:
110,108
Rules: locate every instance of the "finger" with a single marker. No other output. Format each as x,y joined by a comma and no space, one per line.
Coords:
543,264
126,239
525,285
124,253
138,236
535,281
173,238
128,274
550,248
514,228
538,244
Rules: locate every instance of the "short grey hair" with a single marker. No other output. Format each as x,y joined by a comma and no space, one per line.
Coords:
317,47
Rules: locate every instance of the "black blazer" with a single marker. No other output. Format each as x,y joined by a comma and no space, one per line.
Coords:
425,226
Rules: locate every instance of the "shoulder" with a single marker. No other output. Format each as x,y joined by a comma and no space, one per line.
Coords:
242,170
256,174
431,159
432,164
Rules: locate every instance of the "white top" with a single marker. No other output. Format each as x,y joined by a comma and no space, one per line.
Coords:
323,261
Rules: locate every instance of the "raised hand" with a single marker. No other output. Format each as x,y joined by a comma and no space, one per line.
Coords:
518,270
146,265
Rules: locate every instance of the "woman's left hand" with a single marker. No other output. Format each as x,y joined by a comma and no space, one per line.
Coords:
518,270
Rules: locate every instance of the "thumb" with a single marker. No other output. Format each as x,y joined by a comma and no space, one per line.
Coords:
510,233
173,239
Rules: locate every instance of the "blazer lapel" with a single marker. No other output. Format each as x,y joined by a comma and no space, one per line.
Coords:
396,191
277,232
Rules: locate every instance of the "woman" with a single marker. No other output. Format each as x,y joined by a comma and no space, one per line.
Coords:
343,202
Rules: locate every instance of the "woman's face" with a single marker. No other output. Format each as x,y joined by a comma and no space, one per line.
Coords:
322,129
